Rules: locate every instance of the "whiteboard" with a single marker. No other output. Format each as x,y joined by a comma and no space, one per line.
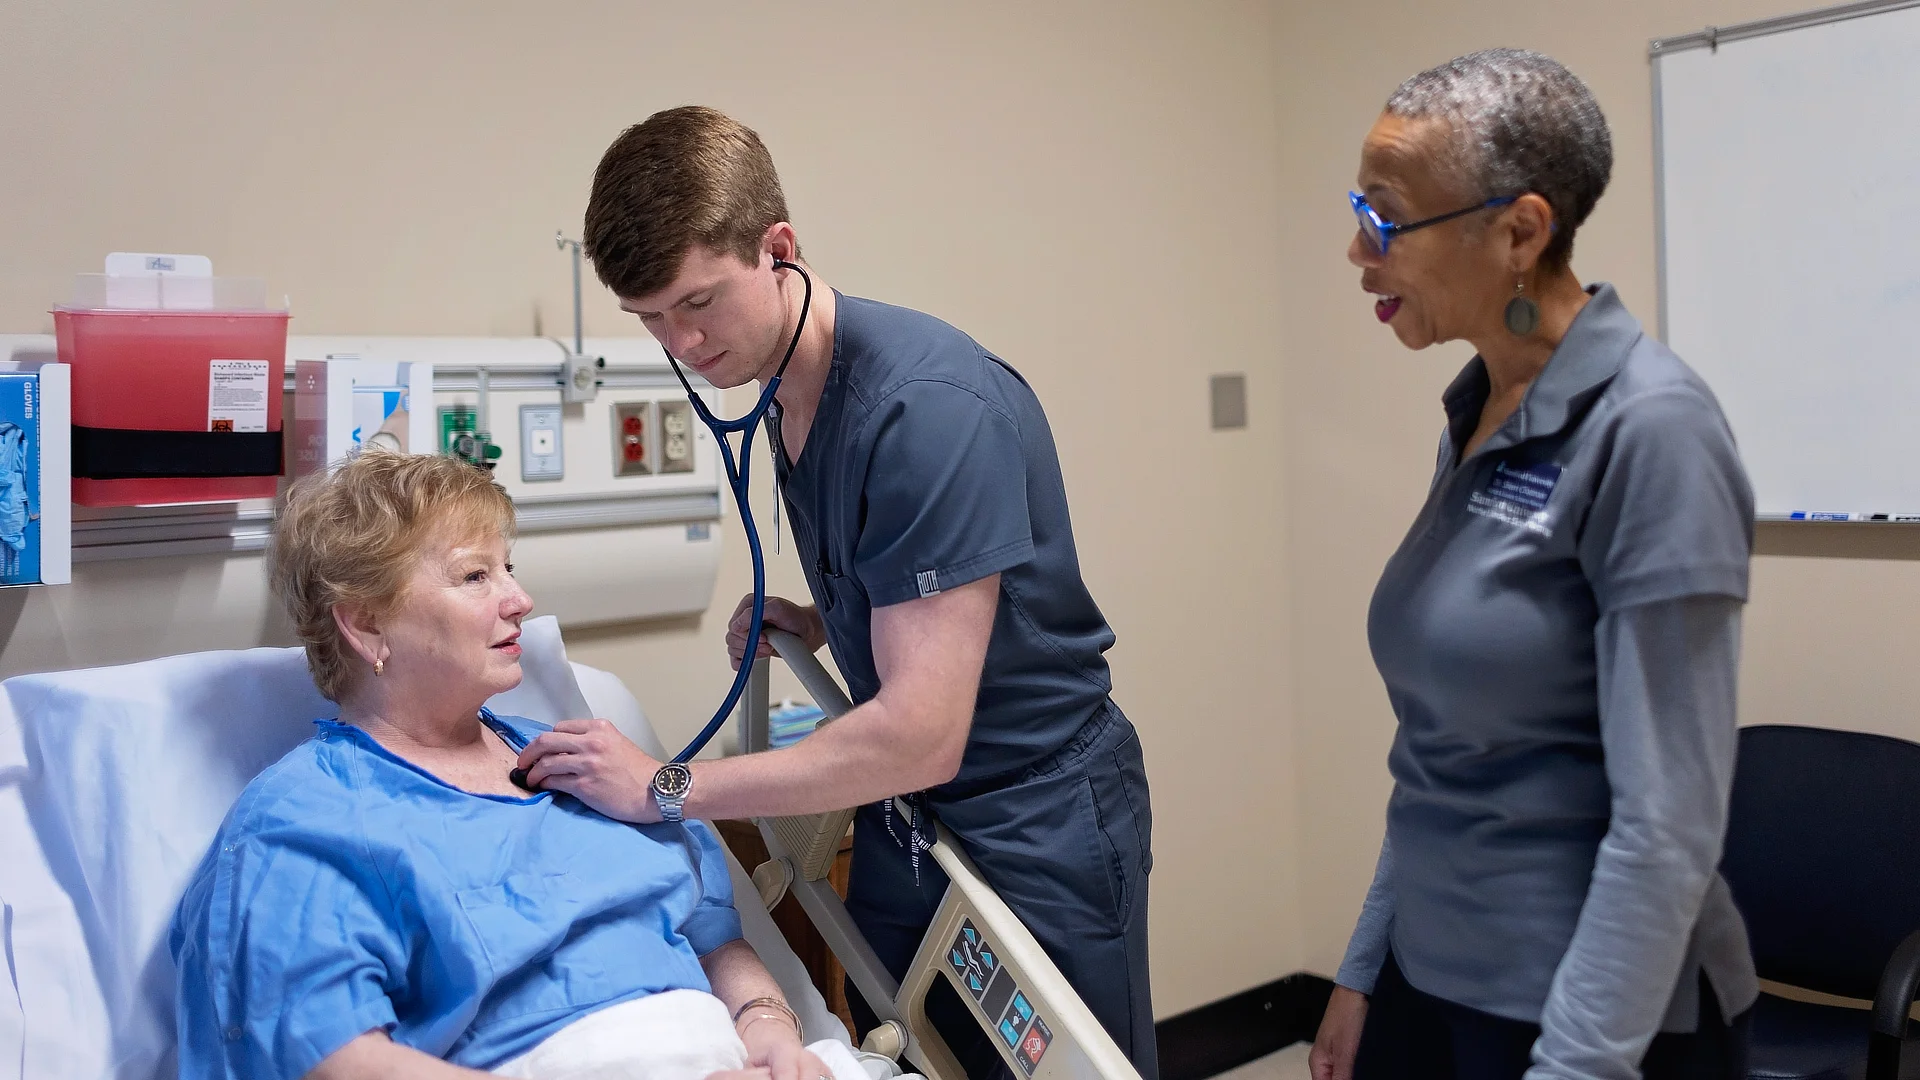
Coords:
1788,177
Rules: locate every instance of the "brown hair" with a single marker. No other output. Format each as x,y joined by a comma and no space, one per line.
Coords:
354,536
686,176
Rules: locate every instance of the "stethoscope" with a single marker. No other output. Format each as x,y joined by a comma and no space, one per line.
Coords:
737,480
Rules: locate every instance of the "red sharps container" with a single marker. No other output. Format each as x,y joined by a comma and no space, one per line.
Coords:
177,388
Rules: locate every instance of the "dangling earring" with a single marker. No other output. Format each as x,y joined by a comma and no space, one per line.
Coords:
1523,315
379,668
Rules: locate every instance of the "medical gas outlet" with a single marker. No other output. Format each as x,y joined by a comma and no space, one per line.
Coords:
541,455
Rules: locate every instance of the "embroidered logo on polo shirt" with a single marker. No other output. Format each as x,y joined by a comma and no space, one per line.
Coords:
929,582
1517,495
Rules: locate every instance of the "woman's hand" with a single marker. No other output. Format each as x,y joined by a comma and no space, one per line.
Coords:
773,1045
591,761
1335,1047
802,622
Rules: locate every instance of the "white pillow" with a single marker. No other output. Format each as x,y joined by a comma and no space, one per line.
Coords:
608,699
132,770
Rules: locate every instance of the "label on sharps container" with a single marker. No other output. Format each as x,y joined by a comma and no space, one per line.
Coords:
237,395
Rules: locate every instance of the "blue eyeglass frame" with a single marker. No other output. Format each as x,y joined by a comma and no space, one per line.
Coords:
1381,232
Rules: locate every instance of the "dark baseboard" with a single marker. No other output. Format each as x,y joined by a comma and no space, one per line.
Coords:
1228,1033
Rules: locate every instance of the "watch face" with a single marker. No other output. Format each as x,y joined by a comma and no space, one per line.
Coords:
673,780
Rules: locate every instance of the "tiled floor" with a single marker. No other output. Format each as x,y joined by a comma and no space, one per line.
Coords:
1288,1064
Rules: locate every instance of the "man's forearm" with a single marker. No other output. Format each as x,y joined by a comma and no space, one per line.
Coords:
864,756
912,736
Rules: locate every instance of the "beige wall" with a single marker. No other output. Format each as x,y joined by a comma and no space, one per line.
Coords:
1086,187
1829,628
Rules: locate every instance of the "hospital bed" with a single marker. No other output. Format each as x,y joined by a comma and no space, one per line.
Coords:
113,782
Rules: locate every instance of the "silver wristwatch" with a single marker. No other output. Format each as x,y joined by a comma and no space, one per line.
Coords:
670,786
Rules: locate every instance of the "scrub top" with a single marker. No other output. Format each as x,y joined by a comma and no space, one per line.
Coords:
930,465
349,890
1559,635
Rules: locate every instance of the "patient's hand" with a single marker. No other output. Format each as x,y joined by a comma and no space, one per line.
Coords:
776,1047
770,1035
591,761
739,1074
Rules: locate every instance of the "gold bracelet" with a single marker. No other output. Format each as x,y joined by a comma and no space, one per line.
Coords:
782,1012
766,1016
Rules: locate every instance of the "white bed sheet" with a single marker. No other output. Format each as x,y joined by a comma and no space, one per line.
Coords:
112,784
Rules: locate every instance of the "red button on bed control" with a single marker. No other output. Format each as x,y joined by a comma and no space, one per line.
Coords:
1034,1046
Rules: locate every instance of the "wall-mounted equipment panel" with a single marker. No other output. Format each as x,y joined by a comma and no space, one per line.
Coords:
601,543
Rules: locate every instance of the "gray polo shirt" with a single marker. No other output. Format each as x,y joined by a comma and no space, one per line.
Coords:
1559,637
930,464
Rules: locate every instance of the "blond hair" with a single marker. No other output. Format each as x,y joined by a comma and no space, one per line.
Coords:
354,535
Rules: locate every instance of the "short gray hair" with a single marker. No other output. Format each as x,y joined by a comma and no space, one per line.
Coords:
1521,122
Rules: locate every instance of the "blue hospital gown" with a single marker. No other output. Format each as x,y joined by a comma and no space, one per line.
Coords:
348,890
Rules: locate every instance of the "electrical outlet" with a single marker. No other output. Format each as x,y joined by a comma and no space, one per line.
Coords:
541,455
631,423
676,437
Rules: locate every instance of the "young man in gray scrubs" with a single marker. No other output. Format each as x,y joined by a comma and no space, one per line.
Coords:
931,518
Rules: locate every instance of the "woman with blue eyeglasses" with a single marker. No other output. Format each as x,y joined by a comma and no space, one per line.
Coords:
1558,633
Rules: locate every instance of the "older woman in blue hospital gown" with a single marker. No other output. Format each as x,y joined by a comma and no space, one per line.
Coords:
384,901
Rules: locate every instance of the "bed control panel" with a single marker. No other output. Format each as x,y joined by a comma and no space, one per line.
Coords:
973,963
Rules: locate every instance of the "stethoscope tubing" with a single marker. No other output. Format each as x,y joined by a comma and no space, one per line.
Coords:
737,472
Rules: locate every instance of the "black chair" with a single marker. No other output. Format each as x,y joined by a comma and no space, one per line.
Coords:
1823,855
